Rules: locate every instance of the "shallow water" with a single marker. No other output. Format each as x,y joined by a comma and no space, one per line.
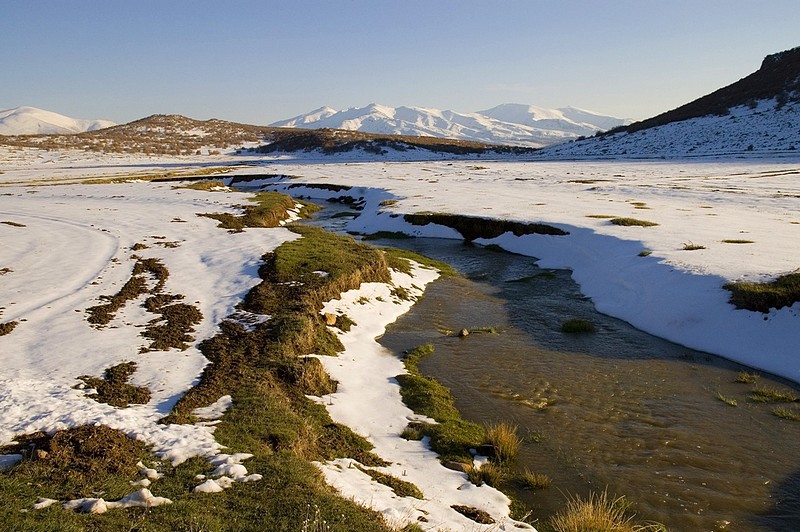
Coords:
616,409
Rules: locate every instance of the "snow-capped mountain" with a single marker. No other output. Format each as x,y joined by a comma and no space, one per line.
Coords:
513,124
33,121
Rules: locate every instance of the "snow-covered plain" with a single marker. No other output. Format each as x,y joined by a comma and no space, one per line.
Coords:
68,245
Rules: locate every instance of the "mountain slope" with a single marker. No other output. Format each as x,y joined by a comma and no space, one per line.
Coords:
759,114
33,121
510,124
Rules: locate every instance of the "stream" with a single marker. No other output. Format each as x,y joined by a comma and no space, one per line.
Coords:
616,410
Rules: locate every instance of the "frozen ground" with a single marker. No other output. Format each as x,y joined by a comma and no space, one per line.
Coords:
67,245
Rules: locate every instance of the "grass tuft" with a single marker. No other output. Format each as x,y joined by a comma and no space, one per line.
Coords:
766,394
787,413
761,297
534,481
629,222
727,400
598,513
490,474
691,246
504,439
747,378
737,241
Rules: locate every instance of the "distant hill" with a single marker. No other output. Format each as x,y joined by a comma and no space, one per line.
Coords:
179,135
507,124
757,114
33,121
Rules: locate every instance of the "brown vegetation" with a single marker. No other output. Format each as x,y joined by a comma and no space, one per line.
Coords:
113,387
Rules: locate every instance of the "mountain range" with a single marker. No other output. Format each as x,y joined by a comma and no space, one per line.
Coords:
34,121
508,124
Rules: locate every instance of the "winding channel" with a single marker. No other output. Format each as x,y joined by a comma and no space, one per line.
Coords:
617,409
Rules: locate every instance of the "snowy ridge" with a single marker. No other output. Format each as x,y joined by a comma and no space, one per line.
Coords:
33,121
764,127
514,124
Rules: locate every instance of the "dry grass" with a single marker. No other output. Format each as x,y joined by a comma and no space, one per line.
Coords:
691,246
628,222
727,400
114,389
12,224
504,439
7,327
598,513
787,413
491,474
747,378
401,488
767,394
479,516
530,480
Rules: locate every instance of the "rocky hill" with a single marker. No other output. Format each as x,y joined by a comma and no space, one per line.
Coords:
759,114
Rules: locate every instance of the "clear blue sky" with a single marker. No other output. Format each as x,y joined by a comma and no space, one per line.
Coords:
262,61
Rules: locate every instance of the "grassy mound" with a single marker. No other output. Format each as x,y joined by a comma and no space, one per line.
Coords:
761,297
472,227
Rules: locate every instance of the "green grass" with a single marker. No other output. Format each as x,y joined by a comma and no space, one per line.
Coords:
578,326
601,216
645,253
268,209
453,437
761,297
628,222
398,260
268,376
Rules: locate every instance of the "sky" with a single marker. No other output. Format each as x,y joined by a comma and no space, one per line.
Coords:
262,61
